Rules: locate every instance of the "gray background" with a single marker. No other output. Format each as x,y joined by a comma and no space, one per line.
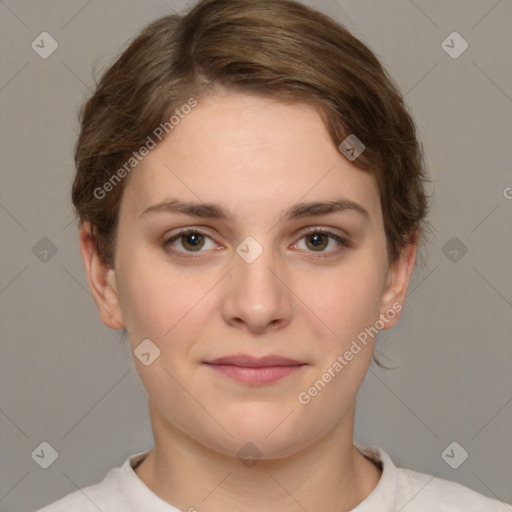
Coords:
68,380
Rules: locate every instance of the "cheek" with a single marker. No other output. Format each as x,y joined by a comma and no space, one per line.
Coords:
170,305
346,300
152,298
349,306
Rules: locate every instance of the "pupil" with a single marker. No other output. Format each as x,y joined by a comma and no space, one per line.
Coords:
193,240
317,240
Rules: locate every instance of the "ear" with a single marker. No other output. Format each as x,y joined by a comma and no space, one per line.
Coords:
399,275
102,280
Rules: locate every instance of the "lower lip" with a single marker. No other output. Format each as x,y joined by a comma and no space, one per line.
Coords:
255,376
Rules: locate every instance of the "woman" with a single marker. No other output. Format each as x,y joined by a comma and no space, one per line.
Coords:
250,192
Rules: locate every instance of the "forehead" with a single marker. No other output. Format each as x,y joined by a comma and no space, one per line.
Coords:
246,151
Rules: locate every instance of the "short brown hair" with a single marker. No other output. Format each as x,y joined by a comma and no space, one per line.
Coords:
278,49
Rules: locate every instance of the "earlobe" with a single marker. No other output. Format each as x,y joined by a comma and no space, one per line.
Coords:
102,280
399,276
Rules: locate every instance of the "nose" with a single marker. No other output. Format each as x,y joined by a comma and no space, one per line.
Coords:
256,298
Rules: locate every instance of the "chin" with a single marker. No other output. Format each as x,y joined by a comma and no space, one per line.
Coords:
264,434
250,447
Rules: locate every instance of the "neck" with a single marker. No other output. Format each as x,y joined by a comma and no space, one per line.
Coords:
329,475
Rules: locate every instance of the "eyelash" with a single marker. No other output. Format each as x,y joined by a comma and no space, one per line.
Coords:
189,254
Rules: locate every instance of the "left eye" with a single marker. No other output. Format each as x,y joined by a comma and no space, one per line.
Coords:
319,241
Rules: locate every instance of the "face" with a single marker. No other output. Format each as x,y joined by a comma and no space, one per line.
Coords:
256,299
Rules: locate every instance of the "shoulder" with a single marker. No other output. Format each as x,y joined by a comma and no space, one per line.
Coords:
419,492
100,496
120,491
411,491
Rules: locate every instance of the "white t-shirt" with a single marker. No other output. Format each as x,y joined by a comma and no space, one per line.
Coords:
398,489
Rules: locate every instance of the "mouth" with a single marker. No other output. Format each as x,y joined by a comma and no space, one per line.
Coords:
255,370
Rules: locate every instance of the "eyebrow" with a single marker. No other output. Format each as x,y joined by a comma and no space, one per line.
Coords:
215,211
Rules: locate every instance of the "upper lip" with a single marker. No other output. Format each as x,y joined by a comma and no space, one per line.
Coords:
255,362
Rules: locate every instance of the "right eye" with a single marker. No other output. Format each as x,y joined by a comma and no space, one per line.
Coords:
190,239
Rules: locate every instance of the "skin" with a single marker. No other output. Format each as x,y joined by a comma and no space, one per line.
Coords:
255,157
